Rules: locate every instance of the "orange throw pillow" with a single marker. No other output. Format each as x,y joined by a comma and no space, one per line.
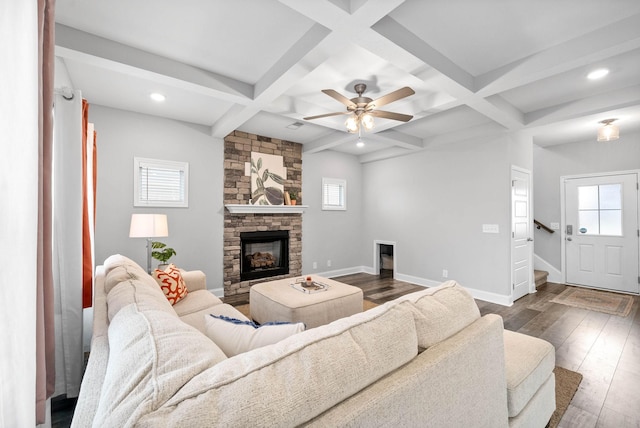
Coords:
171,282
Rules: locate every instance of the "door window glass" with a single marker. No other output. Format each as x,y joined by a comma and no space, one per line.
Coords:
600,209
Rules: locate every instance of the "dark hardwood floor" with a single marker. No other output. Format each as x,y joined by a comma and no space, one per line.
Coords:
605,349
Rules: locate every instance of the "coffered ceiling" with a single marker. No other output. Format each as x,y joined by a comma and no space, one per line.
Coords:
478,67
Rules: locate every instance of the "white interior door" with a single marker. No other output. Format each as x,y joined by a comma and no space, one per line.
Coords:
601,232
521,241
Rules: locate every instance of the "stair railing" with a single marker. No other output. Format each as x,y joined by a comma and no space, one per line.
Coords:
542,226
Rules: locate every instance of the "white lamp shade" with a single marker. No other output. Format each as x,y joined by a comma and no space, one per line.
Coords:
148,226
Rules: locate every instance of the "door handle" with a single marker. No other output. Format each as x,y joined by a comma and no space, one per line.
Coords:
529,239
569,239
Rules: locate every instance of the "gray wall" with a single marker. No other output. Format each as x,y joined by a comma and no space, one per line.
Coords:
433,204
585,157
194,232
331,235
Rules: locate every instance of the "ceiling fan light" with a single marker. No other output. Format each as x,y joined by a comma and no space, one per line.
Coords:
352,124
608,131
367,121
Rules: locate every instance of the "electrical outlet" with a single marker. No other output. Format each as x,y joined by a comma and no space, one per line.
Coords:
328,263
445,273
315,265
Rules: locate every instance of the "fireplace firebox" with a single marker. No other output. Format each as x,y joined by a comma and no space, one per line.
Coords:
264,254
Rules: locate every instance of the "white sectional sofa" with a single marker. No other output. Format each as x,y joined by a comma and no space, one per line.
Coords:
427,359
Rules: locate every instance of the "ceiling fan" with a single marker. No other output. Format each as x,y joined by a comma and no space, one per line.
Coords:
363,109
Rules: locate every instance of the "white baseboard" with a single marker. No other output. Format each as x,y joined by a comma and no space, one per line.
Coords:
486,296
417,280
345,271
555,275
477,294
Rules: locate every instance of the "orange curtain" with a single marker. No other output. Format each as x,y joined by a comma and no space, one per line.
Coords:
88,203
45,337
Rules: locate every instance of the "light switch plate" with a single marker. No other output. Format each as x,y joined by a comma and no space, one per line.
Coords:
555,226
490,228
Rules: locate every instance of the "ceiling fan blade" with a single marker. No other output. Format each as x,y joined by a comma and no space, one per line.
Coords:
391,97
390,115
344,100
325,115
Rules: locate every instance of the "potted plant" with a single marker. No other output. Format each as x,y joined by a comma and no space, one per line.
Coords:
294,197
162,253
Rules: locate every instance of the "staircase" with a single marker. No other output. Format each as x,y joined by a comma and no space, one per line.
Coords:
540,277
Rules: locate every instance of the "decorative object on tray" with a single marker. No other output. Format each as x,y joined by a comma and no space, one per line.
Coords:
308,285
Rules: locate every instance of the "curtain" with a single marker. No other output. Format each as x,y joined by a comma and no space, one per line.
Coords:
68,216
89,163
45,344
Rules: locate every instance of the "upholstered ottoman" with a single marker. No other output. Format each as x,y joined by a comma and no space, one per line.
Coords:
279,301
529,364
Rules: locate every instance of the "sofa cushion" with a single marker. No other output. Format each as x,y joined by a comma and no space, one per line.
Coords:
146,296
441,312
151,356
529,362
236,336
195,302
197,319
309,373
171,283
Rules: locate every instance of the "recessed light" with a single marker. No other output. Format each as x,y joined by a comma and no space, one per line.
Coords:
157,97
598,74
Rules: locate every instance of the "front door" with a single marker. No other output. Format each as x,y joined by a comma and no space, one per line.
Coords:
601,231
521,242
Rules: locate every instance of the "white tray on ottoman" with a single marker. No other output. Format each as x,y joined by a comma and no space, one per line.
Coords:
279,301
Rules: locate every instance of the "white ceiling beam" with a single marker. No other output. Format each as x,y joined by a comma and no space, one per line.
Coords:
602,103
383,154
301,59
327,142
460,83
396,138
295,64
614,39
499,110
98,51
474,132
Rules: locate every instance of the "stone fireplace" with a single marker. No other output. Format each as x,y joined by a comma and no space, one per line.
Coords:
237,190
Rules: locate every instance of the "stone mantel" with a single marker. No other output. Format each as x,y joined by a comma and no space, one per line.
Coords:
266,209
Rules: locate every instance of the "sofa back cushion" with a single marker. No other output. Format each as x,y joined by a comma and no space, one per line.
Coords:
309,373
152,354
147,298
118,268
441,312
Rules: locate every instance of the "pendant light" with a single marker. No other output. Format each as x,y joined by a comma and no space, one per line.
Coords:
608,131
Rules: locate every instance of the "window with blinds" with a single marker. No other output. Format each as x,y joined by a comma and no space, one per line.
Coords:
334,194
160,183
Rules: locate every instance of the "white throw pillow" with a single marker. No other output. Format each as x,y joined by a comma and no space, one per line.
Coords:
236,336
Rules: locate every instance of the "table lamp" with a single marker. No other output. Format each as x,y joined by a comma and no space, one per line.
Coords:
148,226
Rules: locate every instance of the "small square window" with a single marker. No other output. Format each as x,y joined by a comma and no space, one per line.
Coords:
160,183
334,194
